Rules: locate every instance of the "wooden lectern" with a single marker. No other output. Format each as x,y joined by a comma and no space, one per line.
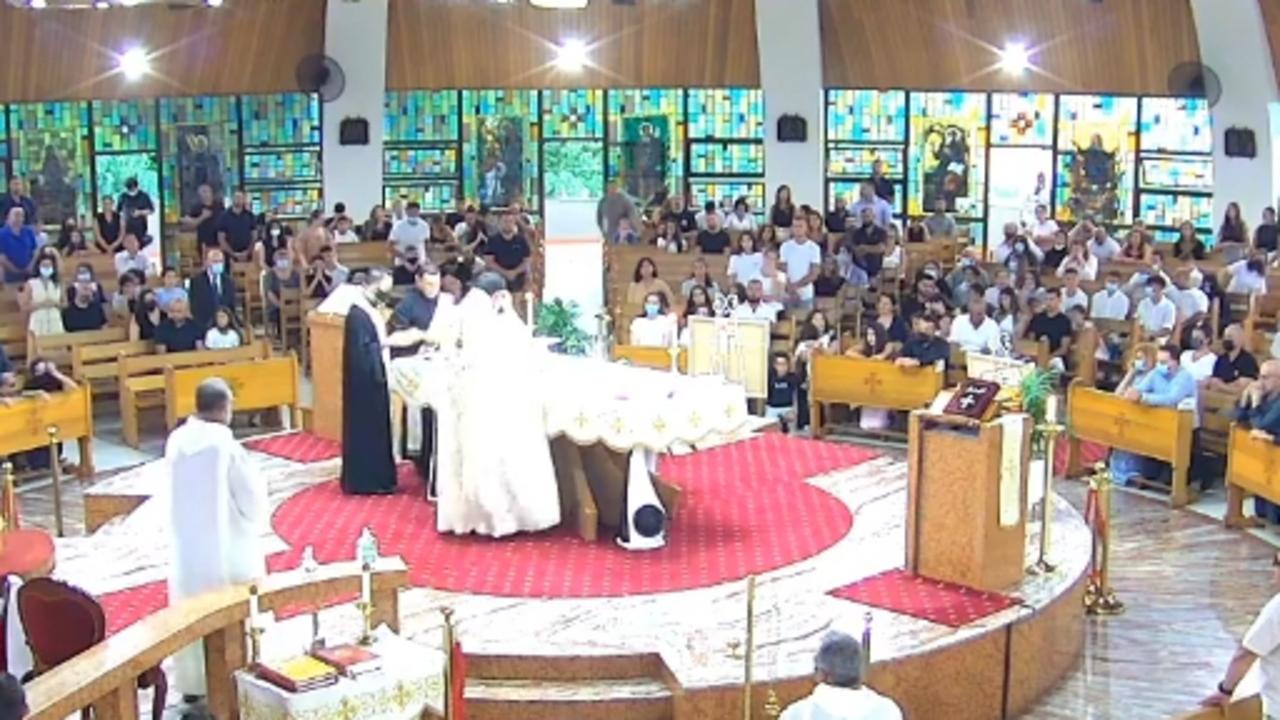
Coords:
326,347
964,524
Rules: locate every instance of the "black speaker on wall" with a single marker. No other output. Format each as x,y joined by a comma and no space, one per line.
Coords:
1241,142
353,131
793,128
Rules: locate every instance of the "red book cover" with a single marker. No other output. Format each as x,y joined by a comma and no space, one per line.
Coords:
348,659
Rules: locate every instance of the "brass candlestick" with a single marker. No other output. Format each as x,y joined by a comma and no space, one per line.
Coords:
748,662
866,645
365,605
1050,432
448,638
8,503
55,467
1099,597
255,632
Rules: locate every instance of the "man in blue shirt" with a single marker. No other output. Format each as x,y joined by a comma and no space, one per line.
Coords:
1168,385
15,198
881,211
17,246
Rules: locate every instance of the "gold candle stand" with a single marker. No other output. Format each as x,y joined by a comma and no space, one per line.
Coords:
8,503
1099,597
365,606
55,467
449,633
255,632
1050,432
748,662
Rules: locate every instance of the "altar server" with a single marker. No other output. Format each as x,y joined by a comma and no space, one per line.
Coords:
840,694
218,512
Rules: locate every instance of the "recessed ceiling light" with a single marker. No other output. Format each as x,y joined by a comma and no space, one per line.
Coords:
135,63
38,4
101,4
571,55
1015,59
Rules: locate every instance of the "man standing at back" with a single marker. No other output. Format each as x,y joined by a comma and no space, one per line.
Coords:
841,694
217,510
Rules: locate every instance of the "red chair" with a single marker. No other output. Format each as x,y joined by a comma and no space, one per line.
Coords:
62,621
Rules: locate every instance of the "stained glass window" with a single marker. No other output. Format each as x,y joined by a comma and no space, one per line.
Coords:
867,116
858,161
947,155
726,113
1022,119
1159,172
700,191
4,141
289,202
124,125
500,135
1097,141
417,116
280,120
647,139
1176,125
439,161
432,196
51,152
1169,210
573,114
282,165
725,158
201,144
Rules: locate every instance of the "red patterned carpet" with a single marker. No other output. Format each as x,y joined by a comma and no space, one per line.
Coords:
300,447
746,510
933,600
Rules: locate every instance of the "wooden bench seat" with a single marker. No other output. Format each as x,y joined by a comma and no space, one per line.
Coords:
99,365
260,384
865,382
59,348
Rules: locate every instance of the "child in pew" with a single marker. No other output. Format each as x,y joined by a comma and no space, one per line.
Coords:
780,404
225,332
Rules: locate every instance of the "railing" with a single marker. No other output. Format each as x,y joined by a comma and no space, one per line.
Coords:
105,676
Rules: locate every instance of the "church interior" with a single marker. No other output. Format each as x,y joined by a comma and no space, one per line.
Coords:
640,359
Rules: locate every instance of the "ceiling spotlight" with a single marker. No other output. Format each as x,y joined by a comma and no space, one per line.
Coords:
571,55
213,3
135,63
1015,59
129,3
101,4
559,4
38,4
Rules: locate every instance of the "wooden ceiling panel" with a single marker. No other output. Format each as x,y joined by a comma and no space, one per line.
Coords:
243,47
1117,46
450,44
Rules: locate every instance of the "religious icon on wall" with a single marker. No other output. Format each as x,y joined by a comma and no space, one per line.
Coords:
501,160
53,176
645,143
1095,181
945,165
199,163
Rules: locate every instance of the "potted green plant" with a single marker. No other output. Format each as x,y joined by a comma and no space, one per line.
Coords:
559,319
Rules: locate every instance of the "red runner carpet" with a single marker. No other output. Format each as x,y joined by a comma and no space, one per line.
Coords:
301,447
920,597
746,510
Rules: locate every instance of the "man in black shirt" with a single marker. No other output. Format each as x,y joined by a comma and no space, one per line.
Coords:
1050,323
837,221
780,405
235,229
715,239
1267,236
84,312
204,218
884,188
135,207
1235,367
867,243
924,348
178,332
508,253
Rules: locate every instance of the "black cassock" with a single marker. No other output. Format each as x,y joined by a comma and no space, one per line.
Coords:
368,467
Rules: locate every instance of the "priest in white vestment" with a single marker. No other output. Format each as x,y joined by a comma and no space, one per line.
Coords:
218,512
493,468
840,694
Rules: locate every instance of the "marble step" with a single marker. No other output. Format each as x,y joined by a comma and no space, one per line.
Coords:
629,699
584,667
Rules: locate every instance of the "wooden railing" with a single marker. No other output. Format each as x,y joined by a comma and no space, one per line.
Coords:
105,676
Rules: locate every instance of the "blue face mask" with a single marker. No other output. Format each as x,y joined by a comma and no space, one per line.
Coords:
652,309
216,268
1164,369
1140,364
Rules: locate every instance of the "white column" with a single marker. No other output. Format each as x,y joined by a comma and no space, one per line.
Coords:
355,34
788,33
1233,41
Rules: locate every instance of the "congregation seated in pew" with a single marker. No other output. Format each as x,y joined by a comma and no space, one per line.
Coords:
1258,411
1167,384
645,280
655,326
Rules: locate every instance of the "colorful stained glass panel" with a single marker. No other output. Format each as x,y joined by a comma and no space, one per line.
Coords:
858,160
280,120
1171,210
124,125
947,155
1176,125
282,166
876,116
573,114
419,162
51,152
847,190
726,113
201,144
1022,119
501,132
1097,142
629,111
724,193
726,158
285,202
417,116
1176,173
432,196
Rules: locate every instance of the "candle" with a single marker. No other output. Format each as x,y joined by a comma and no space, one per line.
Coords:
253,604
365,592
1051,409
528,308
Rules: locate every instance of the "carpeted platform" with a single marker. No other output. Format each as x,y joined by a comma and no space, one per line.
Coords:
933,600
301,447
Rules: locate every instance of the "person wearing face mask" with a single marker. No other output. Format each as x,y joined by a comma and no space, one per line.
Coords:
211,289
42,297
136,207
124,301
410,233
1016,245
1168,385
283,277
1236,367
84,311
1110,303
326,273
218,511
147,317
654,326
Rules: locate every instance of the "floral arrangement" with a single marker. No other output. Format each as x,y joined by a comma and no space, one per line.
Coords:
559,319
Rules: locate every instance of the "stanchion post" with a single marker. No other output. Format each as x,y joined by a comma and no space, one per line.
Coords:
749,655
1099,597
447,632
55,466
9,503
1050,432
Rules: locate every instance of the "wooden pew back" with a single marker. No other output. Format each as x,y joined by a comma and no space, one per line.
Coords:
256,385
374,253
869,383
1253,465
13,338
59,348
1215,423
650,357
24,423
98,362
134,366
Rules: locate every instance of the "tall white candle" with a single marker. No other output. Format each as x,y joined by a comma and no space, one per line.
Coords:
253,604
528,308
1051,409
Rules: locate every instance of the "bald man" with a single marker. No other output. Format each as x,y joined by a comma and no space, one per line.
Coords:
1236,368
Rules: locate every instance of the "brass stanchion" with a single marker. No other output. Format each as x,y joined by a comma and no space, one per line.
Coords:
1099,597
255,631
1049,431
866,646
55,466
9,502
447,631
749,655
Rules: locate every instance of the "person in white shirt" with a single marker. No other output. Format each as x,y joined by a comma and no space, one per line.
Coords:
801,260
840,693
1156,313
342,232
741,219
747,262
1001,281
974,331
1044,228
655,327
757,307
1110,303
1199,359
223,334
411,232
1247,277
1072,295
1190,300
132,258
708,209
772,279
1080,259
1015,243
1261,644
1103,246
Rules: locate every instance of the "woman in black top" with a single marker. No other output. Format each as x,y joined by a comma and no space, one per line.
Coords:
1188,246
108,226
917,232
783,212
378,226
275,235
146,317
1267,235
1233,229
888,320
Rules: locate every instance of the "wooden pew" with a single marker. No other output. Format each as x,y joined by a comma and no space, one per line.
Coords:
1253,468
256,384
13,338
1084,357
24,423
1215,421
59,348
1156,432
99,364
650,357
374,253
1264,313
141,379
867,383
